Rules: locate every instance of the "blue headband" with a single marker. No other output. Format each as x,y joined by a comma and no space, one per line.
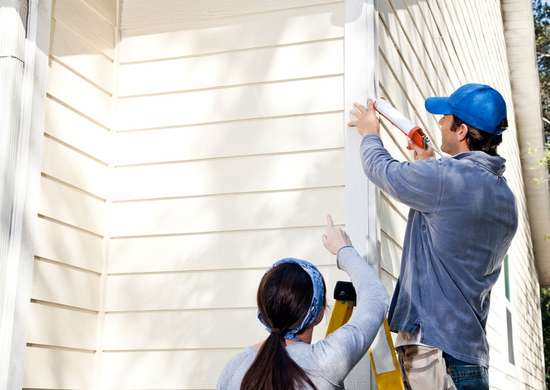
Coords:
316,300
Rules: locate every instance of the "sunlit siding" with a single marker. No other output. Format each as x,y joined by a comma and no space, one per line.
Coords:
217,148
428,48
70,226
229,153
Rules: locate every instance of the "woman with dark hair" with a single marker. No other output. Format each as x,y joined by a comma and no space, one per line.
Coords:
291,302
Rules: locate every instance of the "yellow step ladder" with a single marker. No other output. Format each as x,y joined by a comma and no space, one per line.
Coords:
387,377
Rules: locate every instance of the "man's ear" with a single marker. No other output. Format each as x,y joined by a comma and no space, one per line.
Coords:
461,132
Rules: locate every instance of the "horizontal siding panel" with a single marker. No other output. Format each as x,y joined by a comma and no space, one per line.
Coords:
391,222
274,135
445,41
443,71
230,175
62,327
163,369
409,75
61,243
189,290
222,289
434,29
394,90
456,33
198,329
410,99
260,65
74,168
500,380
78,93
409,47
76,130
195,252
190,329
401,208
390,256
53,369
73,51
280,28
107,9
476,67
71,206
278,99
177,330
80,17
185,13
394,141
228,212
389,282
58,284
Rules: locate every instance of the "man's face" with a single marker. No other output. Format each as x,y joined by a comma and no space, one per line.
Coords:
449,139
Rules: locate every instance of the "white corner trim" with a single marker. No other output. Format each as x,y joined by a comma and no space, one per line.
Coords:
360,61
21,181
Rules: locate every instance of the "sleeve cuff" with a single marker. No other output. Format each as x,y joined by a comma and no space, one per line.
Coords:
372,138
369,136
339,252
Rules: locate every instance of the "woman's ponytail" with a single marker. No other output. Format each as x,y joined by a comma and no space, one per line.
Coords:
284,297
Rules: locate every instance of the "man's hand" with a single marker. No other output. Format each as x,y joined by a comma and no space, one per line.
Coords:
421,153
365,119
334,238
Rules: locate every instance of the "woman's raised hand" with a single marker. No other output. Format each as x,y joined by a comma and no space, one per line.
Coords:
334,238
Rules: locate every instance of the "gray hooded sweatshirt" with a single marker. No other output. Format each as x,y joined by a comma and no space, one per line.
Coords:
461,223
328,361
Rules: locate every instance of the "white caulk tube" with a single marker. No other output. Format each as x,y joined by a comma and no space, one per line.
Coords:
395,117
408,127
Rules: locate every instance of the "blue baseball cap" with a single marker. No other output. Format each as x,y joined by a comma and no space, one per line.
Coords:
478,105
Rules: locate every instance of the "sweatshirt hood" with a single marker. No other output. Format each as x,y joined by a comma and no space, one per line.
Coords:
494,164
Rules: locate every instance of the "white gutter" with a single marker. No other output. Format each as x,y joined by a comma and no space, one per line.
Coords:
519,34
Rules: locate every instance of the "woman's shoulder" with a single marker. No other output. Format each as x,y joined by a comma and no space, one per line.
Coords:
235,369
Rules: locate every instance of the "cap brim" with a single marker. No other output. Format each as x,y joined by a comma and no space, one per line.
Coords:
438,105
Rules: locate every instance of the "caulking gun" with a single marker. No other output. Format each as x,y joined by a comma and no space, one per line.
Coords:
415,133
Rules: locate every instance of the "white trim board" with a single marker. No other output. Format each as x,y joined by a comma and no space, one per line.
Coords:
360,54
22,178
359,83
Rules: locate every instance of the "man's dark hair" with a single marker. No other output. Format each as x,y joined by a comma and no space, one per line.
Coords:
478,139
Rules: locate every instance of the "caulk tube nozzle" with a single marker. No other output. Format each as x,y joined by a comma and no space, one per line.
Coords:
394,116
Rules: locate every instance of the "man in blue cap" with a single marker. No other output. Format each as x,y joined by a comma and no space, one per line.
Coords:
462,220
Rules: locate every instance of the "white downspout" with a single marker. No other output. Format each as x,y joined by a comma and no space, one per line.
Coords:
519,34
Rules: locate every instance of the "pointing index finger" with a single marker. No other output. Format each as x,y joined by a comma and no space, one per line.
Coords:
330,222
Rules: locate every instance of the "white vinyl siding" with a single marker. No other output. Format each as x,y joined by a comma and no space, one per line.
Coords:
69,244
430,48
189,144
229,153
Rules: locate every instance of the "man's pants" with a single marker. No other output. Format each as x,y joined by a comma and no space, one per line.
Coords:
427,368
467,376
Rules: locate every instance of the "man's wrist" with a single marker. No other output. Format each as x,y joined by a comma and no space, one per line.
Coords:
370,135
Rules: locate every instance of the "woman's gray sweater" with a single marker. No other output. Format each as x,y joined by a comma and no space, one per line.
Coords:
328,361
